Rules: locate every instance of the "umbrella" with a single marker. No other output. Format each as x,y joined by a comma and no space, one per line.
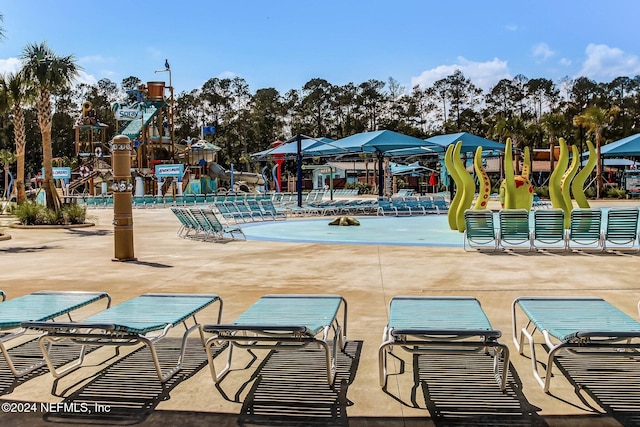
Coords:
629,146
378,143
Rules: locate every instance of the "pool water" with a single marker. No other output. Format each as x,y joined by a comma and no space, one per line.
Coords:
430,230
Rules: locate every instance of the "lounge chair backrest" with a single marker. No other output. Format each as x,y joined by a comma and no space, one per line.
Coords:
585,227
548,225
622,224
479,224
514,224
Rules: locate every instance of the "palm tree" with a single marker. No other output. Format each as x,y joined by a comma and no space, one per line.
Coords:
49,73
595,119
14,93
6,158
553,124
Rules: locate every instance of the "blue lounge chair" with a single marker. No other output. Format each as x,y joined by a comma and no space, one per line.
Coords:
585,228
441,325
43,306
214,227
514,229
621,230
479,230
145,319
575,324
284,322
548,229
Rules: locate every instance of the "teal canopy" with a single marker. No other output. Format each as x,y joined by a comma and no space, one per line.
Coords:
629,146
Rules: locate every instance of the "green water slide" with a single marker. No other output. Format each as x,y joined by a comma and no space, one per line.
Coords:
134,127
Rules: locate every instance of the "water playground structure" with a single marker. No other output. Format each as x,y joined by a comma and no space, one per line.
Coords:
516,190
159,165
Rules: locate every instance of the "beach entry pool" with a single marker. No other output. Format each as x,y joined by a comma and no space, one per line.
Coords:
430,230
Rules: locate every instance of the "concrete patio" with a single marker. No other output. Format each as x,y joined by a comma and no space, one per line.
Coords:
452,390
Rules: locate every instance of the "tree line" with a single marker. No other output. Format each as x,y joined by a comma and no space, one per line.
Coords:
533,112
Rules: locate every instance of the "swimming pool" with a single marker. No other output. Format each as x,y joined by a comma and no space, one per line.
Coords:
430,230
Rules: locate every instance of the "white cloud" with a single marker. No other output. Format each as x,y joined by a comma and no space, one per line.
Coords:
483,74
83,77
10,65
511,27
604,62
227,75
542,51
565,62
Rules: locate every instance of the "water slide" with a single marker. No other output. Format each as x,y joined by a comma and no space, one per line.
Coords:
217,171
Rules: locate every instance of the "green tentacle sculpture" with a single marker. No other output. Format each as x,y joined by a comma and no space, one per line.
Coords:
577,185
565,185
467,187
516,191
555,187
485,184
453,206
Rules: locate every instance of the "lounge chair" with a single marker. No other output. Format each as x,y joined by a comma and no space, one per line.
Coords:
575,324
43,306
548,229
585,228
479,230
215,227
145,319
188,223
514,229
441,325
284,322
621,230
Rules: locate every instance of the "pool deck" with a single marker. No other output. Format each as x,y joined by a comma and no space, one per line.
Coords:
368,276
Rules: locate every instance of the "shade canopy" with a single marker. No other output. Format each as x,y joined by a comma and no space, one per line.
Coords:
410,169
290,149
439,143
629,146
378,142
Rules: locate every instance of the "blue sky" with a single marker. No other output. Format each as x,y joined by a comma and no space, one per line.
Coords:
283,43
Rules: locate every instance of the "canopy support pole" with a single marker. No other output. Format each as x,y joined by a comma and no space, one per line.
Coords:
299,164
380,174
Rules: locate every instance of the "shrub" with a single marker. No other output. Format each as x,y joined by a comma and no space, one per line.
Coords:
31,213
74,214
542,191
616,193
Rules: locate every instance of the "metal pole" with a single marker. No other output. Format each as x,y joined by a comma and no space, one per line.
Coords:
299,162
380,175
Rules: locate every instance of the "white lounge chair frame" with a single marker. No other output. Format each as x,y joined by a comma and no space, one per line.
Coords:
575,324
285,325
128,328
441,325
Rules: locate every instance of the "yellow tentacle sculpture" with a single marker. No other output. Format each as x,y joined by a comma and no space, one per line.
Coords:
555,187
577,185
526,166
453,206
565,185
508,186
483,179
516,191
467,187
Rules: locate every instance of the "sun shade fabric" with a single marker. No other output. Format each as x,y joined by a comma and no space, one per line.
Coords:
43,306
150,312
563,318
134,127
312,312
438,314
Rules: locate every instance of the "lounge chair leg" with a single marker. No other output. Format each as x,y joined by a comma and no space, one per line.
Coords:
215,376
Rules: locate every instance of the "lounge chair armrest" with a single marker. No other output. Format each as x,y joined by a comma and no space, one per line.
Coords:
253,328
495,334
66,326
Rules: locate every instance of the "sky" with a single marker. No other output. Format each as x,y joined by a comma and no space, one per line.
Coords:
283,44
